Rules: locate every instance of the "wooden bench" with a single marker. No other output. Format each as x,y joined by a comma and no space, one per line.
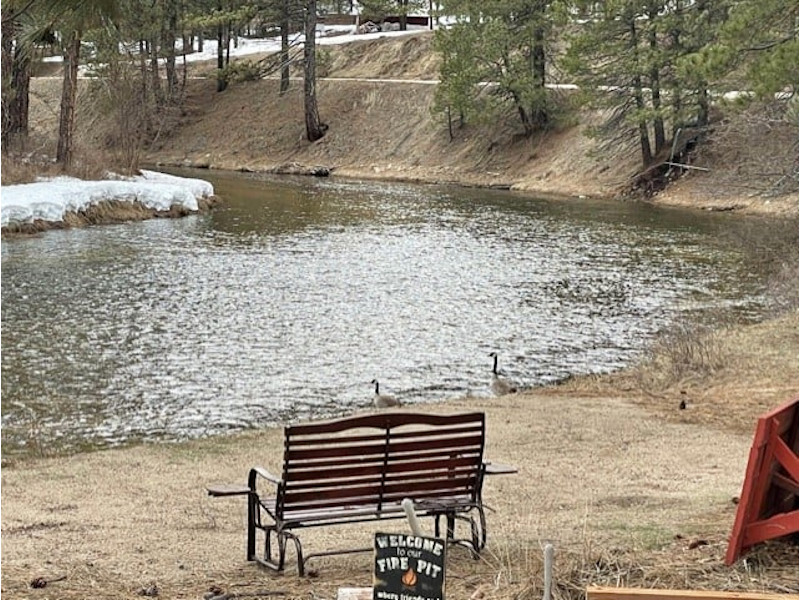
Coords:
360,469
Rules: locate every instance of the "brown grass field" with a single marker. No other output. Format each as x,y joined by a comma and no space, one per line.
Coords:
629,489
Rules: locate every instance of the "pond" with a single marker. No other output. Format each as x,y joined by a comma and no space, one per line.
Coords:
283,305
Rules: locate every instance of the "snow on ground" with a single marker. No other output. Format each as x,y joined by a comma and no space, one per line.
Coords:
50,200
328,35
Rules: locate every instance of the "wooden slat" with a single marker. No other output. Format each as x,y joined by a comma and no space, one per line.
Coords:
360,450
341,471
321,505
312,472
611,593
378,490
383,421
309,440
345,461
321,482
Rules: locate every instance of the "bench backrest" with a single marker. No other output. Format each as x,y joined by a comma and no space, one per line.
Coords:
378,460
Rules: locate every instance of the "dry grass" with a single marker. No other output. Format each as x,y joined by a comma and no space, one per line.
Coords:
630,490
27,166
102,213
624,484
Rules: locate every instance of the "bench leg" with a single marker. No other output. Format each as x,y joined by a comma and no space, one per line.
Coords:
274,555
482,517
301,563
477,540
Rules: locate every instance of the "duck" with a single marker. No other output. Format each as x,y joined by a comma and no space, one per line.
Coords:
383,400
499,386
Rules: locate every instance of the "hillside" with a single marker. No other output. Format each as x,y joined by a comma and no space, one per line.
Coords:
384,129
635,476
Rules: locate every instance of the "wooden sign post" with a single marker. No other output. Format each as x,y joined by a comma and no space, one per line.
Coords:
408,567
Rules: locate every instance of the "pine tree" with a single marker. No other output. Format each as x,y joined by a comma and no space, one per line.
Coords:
509,48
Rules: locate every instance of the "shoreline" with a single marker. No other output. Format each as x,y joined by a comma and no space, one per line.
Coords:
128,519
116,212
629,489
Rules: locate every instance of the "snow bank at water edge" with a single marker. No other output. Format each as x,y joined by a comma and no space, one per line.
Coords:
50,200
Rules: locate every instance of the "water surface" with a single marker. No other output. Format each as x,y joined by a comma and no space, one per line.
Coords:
283,304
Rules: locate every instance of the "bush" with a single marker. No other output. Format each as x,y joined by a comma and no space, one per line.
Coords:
242,70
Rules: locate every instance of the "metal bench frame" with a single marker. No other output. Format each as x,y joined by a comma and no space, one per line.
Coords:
360,469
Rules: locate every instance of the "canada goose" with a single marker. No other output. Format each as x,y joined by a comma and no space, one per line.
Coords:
500,387
383,400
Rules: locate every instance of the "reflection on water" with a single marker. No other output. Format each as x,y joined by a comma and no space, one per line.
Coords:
286,302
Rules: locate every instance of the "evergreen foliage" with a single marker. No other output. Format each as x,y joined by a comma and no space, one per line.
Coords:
501,44
656,67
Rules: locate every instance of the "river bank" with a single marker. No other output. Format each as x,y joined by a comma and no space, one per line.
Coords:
630,489
376,99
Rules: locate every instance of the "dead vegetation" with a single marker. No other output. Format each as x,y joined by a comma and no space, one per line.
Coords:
631,490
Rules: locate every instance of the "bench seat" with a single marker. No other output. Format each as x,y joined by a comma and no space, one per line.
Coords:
361,469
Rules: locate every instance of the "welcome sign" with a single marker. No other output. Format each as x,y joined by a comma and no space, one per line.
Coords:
408,567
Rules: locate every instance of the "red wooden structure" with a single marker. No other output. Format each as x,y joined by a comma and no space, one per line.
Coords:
768,504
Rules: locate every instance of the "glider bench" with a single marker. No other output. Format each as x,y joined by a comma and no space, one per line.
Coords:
360,469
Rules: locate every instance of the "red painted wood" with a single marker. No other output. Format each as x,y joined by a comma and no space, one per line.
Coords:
767,505
777,526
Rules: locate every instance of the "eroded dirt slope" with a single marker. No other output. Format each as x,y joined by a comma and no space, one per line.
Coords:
383,129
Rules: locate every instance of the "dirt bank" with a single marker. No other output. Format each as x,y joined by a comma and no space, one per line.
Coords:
630,489
384,129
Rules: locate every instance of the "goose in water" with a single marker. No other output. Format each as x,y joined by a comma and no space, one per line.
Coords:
383,400
500,387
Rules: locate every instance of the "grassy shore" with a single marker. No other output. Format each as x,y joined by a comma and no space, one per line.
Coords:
630,490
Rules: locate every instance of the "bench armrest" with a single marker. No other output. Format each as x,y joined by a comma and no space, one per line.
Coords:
263,473
490,468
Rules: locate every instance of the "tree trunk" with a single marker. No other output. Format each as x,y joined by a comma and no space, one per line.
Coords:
168,46
703,106
539,116
285,47
403,15
69,92
145,98
314,129
158,93
228,44
7,68
655,82
675,88
638,95
222,82
16,72
21,83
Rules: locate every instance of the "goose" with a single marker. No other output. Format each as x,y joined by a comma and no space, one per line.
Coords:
500,387
383,400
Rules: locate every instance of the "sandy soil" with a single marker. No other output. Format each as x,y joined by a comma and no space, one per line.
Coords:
628,488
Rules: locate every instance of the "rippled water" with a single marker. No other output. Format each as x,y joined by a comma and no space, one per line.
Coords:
286,302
